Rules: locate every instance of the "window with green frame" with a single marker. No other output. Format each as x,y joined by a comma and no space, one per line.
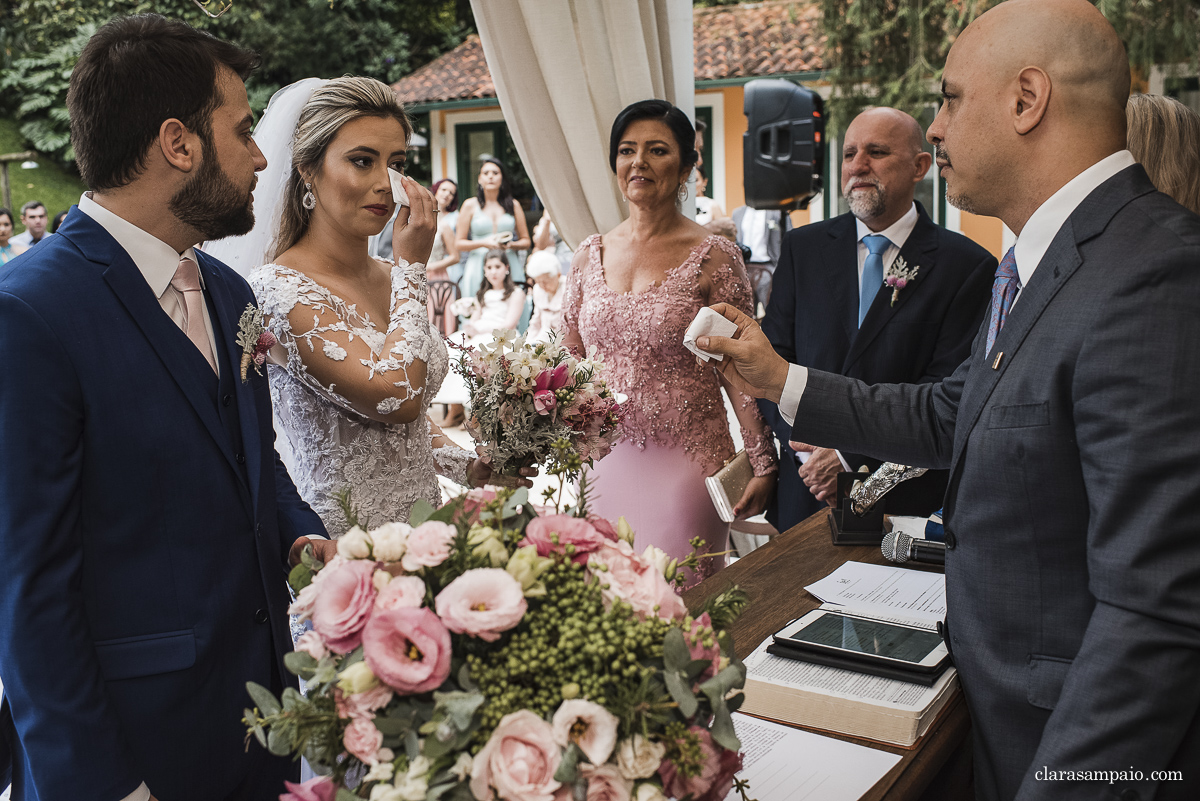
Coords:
473,141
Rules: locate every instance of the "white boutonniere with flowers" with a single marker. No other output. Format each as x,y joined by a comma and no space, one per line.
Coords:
899,275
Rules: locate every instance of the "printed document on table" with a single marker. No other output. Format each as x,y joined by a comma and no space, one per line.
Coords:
879,591
786,764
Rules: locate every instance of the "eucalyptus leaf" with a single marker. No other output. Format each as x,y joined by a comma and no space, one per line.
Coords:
278,741
292,698
448,513
682,693
675,651
264,699
515,501
568,768
421,510
436,791
412,745
352,658
300,577
722,728
300,664
459,707
345,795
391,726
696,667
734,702
464,678
308,558
435,748
260,734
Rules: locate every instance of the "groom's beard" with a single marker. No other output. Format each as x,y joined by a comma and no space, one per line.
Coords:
212,204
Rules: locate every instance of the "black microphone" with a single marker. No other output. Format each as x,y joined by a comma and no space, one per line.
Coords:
900,547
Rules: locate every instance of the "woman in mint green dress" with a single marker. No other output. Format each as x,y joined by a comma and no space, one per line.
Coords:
491,219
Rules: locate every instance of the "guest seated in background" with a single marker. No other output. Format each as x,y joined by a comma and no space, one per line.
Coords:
830,308
57,221
1164,137
707,209
7,249
548,290
762,231
499,303
33,217
547,237
631,295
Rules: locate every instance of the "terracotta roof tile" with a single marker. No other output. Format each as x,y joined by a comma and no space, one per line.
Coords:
753,39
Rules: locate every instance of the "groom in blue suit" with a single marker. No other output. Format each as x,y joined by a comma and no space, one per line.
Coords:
146,523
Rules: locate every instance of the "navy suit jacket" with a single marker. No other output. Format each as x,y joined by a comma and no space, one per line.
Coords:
145,522
812,320
1073,509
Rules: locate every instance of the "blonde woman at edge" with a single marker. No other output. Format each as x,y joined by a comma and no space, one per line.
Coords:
1164,136
358,360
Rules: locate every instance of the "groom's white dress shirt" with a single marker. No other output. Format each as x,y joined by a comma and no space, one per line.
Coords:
157,262
1043,225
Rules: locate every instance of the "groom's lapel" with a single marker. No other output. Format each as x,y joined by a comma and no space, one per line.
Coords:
131,289
227,317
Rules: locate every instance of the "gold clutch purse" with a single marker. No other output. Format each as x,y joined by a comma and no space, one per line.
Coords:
727,484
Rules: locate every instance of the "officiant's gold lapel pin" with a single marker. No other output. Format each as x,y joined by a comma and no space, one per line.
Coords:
996,361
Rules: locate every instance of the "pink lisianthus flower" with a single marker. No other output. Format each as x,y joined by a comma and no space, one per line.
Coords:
343,605
587,724
717,769
702,629
428,545
401,592
604,526
482,603
407,649
519,761
474,501
545,401
311,643
307,597
361,739
634,581
321,788
364,704
570,530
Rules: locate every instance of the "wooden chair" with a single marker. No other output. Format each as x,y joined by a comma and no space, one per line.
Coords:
441,295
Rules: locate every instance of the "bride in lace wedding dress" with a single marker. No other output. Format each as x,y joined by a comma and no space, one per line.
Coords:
358,361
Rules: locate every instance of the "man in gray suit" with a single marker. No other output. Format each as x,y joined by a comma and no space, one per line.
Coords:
762,231
1073,507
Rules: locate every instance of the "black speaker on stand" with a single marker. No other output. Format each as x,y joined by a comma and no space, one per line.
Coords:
783,147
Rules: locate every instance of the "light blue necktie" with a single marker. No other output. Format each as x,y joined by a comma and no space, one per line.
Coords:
872,277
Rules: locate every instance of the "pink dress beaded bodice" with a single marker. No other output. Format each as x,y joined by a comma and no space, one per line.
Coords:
673,401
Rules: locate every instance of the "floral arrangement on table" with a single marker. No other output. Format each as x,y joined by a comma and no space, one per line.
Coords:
485,652
526,398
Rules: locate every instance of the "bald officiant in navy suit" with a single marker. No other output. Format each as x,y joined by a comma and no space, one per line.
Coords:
831,310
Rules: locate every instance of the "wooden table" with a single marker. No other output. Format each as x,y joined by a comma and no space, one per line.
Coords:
774,577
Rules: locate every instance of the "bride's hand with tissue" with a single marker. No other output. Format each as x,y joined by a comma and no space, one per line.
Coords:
416,225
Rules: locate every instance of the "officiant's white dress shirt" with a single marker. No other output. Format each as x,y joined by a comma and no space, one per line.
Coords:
1031,247
156,261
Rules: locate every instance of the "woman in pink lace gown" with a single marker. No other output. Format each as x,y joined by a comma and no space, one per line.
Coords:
632,294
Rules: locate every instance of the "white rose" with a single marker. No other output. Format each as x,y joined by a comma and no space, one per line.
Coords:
380,579
648,791
358,678
639,758
657,557
390,541
380,772
354,544
462,766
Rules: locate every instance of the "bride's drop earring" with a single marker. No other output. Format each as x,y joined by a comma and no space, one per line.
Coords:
682,193
310,200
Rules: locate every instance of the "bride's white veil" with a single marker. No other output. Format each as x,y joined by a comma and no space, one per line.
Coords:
274,138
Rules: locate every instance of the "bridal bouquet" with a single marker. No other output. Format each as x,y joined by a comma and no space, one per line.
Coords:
533,403
484,652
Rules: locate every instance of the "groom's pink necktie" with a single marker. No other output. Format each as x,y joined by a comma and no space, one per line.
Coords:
187,281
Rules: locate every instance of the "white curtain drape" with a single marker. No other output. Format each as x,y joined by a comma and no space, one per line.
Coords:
563,69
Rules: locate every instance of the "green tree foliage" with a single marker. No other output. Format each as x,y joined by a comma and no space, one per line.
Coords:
40,41
891,52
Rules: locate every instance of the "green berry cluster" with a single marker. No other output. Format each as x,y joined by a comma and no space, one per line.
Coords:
567,646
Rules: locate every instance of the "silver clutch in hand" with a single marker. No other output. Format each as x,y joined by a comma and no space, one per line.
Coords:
727,485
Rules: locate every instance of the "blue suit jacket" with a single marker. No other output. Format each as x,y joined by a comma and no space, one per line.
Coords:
145,521
1073,509
813,320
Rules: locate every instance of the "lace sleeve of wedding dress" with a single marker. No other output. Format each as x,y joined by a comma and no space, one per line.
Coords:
731,285
337,351
452,462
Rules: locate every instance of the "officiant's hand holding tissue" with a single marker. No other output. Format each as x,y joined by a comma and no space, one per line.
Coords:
753,365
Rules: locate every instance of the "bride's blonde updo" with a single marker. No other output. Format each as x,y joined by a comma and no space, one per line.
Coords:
331,106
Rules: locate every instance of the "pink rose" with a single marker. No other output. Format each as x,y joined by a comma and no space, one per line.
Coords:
518,762
634,581
717,769
570,530
401,592
343,605
361,739
474,501
364,704
483,603
303,605
311,643
605,783
407,649
428,545
544,402
321,788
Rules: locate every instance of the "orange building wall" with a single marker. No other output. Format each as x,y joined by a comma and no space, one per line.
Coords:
735,126
986,231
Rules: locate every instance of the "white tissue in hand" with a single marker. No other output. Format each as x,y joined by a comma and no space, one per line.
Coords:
707,323
398,193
